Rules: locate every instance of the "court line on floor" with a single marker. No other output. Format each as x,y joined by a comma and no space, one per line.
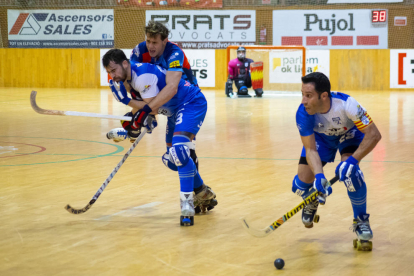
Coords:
148,205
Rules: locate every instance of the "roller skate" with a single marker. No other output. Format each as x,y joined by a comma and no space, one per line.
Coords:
187,209
364,233
205,199
117,134
309,215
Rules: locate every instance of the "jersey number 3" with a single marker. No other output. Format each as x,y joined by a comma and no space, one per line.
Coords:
179,119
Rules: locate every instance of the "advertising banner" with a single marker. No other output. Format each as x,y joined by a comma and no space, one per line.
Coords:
207,29
329,29
60,28
195,4
402,68
203,64
362,1
286,66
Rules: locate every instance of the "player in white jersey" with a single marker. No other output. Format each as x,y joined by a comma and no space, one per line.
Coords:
187,107
328,122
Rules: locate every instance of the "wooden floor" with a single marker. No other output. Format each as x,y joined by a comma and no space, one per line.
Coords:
248,151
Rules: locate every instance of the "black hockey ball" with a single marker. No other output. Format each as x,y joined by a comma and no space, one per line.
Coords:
279,263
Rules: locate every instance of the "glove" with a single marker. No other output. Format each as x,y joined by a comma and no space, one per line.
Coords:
150,123
139,117
320,184
347,168
119,92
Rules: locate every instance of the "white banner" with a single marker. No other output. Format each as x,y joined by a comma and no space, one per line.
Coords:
286,66
402,68
60,28
207,29
329,29
362,1
203,64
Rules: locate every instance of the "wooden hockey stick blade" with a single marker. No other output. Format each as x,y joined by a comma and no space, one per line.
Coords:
255,232
72,113
260,233
107,180
80,211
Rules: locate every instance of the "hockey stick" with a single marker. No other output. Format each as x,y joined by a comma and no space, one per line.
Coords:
260,233
102,188
72,113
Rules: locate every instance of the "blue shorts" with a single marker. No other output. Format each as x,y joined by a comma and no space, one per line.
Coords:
190,116
328,145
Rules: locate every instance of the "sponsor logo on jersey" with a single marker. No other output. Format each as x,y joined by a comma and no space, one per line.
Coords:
360,113
173,56
365,120
136,51
337,120
174,64
146,88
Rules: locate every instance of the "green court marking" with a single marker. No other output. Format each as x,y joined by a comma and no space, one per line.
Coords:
118,150
265,159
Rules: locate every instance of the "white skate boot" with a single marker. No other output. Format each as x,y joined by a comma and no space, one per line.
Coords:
187,209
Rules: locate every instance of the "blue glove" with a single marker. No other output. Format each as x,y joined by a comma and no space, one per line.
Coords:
347,168
119,92
150,123
320,184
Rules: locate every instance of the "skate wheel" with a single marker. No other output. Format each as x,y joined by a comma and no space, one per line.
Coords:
186,221
197,210
364,245
309,226
355,243
213,202
316,218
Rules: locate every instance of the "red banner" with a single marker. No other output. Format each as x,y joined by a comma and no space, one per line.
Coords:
164,4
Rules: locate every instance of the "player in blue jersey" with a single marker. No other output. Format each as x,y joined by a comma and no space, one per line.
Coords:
187,107
158,50
327,122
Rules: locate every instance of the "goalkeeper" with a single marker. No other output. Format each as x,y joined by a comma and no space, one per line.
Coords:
239,72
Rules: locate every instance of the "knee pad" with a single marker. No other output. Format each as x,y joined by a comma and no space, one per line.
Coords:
193,156
259,92
168,162
239,84
243,90
180,151
301,188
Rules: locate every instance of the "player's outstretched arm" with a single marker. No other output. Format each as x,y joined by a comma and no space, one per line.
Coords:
371,139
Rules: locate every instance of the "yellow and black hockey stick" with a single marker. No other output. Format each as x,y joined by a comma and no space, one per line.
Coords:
260,233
